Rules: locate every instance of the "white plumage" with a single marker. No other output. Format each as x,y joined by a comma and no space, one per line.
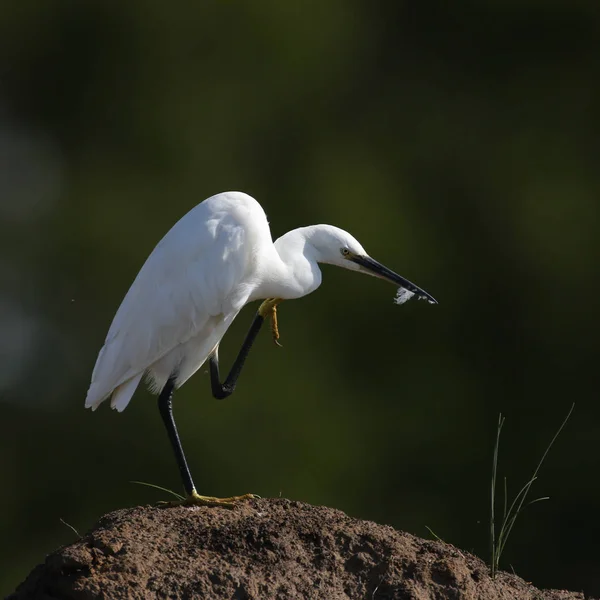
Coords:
188,292
212,262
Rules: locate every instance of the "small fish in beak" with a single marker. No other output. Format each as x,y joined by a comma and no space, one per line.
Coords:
406,290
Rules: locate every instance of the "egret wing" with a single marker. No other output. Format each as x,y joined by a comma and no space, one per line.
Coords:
196,273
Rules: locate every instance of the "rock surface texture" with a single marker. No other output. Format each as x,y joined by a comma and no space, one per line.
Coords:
263,549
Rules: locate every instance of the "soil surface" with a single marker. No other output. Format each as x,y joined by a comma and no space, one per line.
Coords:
263,549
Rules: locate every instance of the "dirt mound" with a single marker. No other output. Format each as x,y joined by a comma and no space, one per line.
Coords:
263,549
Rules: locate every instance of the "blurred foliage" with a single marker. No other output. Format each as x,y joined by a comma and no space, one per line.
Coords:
457,141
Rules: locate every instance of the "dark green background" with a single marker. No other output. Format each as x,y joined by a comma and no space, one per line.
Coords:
459,142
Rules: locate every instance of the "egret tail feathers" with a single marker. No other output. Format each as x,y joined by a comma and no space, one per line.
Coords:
123,393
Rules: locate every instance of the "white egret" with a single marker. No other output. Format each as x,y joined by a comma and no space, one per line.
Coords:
217,258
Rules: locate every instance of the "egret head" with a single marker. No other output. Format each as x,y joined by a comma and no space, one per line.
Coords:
335,246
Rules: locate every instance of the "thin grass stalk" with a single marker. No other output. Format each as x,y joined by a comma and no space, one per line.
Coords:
158,487
518,504
493,495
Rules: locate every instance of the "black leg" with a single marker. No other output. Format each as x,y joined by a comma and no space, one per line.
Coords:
166,412
222,390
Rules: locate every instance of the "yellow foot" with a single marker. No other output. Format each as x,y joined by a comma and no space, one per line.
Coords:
269,309
274,327
195,499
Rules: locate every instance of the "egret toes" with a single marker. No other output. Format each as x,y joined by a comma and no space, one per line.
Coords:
268,309
195,499
274,326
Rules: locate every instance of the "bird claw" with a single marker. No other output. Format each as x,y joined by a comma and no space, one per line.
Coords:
269,309
274,326
195,499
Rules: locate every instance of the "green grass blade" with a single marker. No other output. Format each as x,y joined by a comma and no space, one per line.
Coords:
503,537
522,495
70,527
518,499
505,499
519,503
493,495
158,487
435,535
542,498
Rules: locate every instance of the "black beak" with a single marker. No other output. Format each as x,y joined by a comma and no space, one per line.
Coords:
378,270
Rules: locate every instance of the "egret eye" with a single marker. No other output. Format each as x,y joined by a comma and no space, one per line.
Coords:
345,251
